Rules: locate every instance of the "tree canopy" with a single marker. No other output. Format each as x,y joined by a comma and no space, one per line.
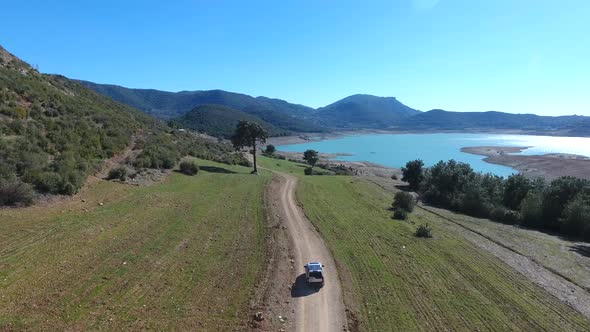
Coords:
249,134
311,156
413,173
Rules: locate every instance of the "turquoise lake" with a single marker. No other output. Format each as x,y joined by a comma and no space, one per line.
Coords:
395,150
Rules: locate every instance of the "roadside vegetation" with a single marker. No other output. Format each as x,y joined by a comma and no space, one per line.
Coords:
397,279
184,254
562,206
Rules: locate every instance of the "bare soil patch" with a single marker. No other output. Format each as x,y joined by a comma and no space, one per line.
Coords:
548,166
273,296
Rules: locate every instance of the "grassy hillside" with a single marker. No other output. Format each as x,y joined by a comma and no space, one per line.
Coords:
398,280
181,255
220,121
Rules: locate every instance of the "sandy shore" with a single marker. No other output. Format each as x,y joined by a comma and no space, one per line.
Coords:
316,137
548,166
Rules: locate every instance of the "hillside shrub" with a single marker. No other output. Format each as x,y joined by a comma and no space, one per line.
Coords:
47,182
504,215
531,210
118,173
424,231
576,217
189,167
556,197
15,192
400,214
270,150
403,200
413,173
308,171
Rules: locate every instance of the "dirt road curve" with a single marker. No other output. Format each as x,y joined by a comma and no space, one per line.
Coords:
317,309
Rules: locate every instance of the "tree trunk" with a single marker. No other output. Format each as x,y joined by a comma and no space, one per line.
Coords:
254,155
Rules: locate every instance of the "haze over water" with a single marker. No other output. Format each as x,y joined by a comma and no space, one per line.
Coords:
395,150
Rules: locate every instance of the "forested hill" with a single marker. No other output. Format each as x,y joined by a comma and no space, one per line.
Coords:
221,121
489,121
355,112
168,105
54,132
364,111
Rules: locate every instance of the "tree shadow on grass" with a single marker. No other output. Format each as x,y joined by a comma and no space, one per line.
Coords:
403,187
581,249
300,288
215,169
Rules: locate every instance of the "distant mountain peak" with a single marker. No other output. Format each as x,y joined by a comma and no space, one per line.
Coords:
365,111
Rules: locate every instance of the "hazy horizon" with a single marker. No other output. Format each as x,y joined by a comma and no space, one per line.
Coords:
516,57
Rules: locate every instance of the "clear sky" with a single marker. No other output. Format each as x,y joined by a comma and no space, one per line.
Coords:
519,56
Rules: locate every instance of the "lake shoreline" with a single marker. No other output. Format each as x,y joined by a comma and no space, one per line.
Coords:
548,166
323,136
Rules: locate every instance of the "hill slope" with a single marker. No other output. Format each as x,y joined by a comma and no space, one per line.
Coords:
353,112
444,120
364,111
54,132
168,105
221,121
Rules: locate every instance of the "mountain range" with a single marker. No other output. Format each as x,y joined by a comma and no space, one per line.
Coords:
356,112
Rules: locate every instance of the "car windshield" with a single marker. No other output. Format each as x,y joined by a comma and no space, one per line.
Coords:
315,274
314,267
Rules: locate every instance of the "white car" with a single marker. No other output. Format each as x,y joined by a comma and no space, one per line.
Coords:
314,273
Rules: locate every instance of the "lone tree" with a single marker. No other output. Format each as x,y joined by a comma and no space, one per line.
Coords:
270,150
413,173
249,134
311,156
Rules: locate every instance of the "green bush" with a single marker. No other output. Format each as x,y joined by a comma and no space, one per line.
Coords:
424,231
118,173
576,217
403,200
504,215
15,192
270,150
47,182
413,173
400,214
189,167
308,171
531,210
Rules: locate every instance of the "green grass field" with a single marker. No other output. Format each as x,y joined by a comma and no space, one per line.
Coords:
180,255
439,284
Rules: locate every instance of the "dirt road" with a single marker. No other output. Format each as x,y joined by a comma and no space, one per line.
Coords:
316,309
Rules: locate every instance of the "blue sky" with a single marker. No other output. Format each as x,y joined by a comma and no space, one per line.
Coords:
519,56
